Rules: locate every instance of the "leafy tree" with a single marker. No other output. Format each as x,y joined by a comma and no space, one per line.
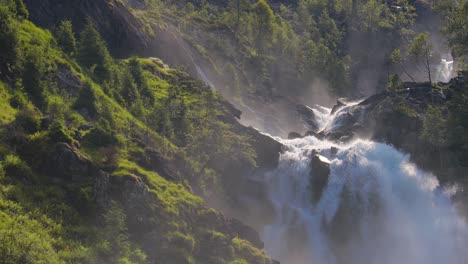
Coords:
394,83
455,24
9,40
435,129
65,37
372,15
264,25
329,31
421,50
304,19
396,58
93,53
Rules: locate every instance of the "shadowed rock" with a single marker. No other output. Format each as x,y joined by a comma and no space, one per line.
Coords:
320,171
307,117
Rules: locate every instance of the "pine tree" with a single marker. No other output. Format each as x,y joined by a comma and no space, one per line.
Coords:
66,38
8,41
93,53
265,25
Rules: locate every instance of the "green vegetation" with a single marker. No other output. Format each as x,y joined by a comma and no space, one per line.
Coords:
70,114
66,38
455,15
106,160
248,43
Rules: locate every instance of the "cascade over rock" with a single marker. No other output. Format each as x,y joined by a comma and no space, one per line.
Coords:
357,201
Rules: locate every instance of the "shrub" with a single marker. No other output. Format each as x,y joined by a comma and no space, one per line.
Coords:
18,100
16,168
28,119
59,133
183,241
102,135
86,100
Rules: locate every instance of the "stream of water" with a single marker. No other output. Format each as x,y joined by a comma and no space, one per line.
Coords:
377,207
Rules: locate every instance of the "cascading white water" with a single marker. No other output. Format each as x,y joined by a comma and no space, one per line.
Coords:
377,208
445,70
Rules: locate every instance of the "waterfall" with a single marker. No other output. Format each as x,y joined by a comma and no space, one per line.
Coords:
375,208
445,70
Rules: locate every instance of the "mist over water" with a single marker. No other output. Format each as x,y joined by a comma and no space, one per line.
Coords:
377,207
445,70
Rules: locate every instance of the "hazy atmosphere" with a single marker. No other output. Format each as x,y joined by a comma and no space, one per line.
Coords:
233,131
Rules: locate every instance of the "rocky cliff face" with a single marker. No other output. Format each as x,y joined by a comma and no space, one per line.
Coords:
122,30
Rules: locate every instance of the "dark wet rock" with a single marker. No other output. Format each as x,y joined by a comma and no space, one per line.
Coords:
238,229
113,19
46,122
67,163
294,135
169,169
320,172
132,192
333,150
307,116
313,134
102,190
339,103
268,150
77,136
67,80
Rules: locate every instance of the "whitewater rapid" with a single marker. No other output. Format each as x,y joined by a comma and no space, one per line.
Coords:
377,207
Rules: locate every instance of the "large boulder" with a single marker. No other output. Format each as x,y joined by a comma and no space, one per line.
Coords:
307,116
294,135
319,174
339,103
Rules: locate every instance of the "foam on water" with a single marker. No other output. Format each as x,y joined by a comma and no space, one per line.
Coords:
445,70
377,207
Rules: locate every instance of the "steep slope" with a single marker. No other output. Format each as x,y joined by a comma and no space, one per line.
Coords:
101,162
262,55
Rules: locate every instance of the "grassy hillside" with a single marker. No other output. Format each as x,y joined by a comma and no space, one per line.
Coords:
101,159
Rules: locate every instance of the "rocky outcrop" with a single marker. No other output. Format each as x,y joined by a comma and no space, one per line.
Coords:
397,118
307,116
339,103
68,81
387,116
67,163
294,135
320,171
119,27
102,190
